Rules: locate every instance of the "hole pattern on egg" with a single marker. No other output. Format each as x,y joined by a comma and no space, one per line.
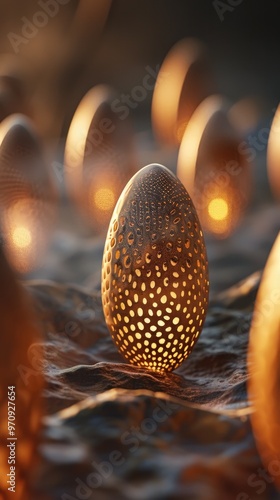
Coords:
155,272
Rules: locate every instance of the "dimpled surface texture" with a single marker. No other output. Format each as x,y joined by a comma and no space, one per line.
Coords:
155,273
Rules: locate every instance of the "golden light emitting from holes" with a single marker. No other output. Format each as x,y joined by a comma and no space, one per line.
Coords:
218,209
183,81
264,362
273,155
212,168
27,194
155,272
98,156
21,237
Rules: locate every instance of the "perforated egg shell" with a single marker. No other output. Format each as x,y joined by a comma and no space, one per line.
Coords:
155,271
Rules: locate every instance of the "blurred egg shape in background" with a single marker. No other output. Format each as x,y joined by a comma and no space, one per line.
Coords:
264,363
213,169
27,194
21,407
155,272
273,155
99,158
184,80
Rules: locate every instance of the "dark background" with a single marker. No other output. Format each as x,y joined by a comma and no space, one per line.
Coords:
244,47
62,62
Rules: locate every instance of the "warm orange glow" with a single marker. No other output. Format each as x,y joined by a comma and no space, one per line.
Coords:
19,228
25,240
19,332
218,216
77,136
273,154
189,149
264,362
168,90
217,219
28,194
104,199
145,279
211,168
98,156
26,236
5,127
218,209
21,237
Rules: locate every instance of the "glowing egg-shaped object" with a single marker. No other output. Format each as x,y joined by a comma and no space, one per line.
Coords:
183,81
155,272
273,155
213,169
98,156
20,388
264,364
27,194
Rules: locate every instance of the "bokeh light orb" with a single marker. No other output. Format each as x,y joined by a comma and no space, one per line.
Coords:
218,209
99,157
155,272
